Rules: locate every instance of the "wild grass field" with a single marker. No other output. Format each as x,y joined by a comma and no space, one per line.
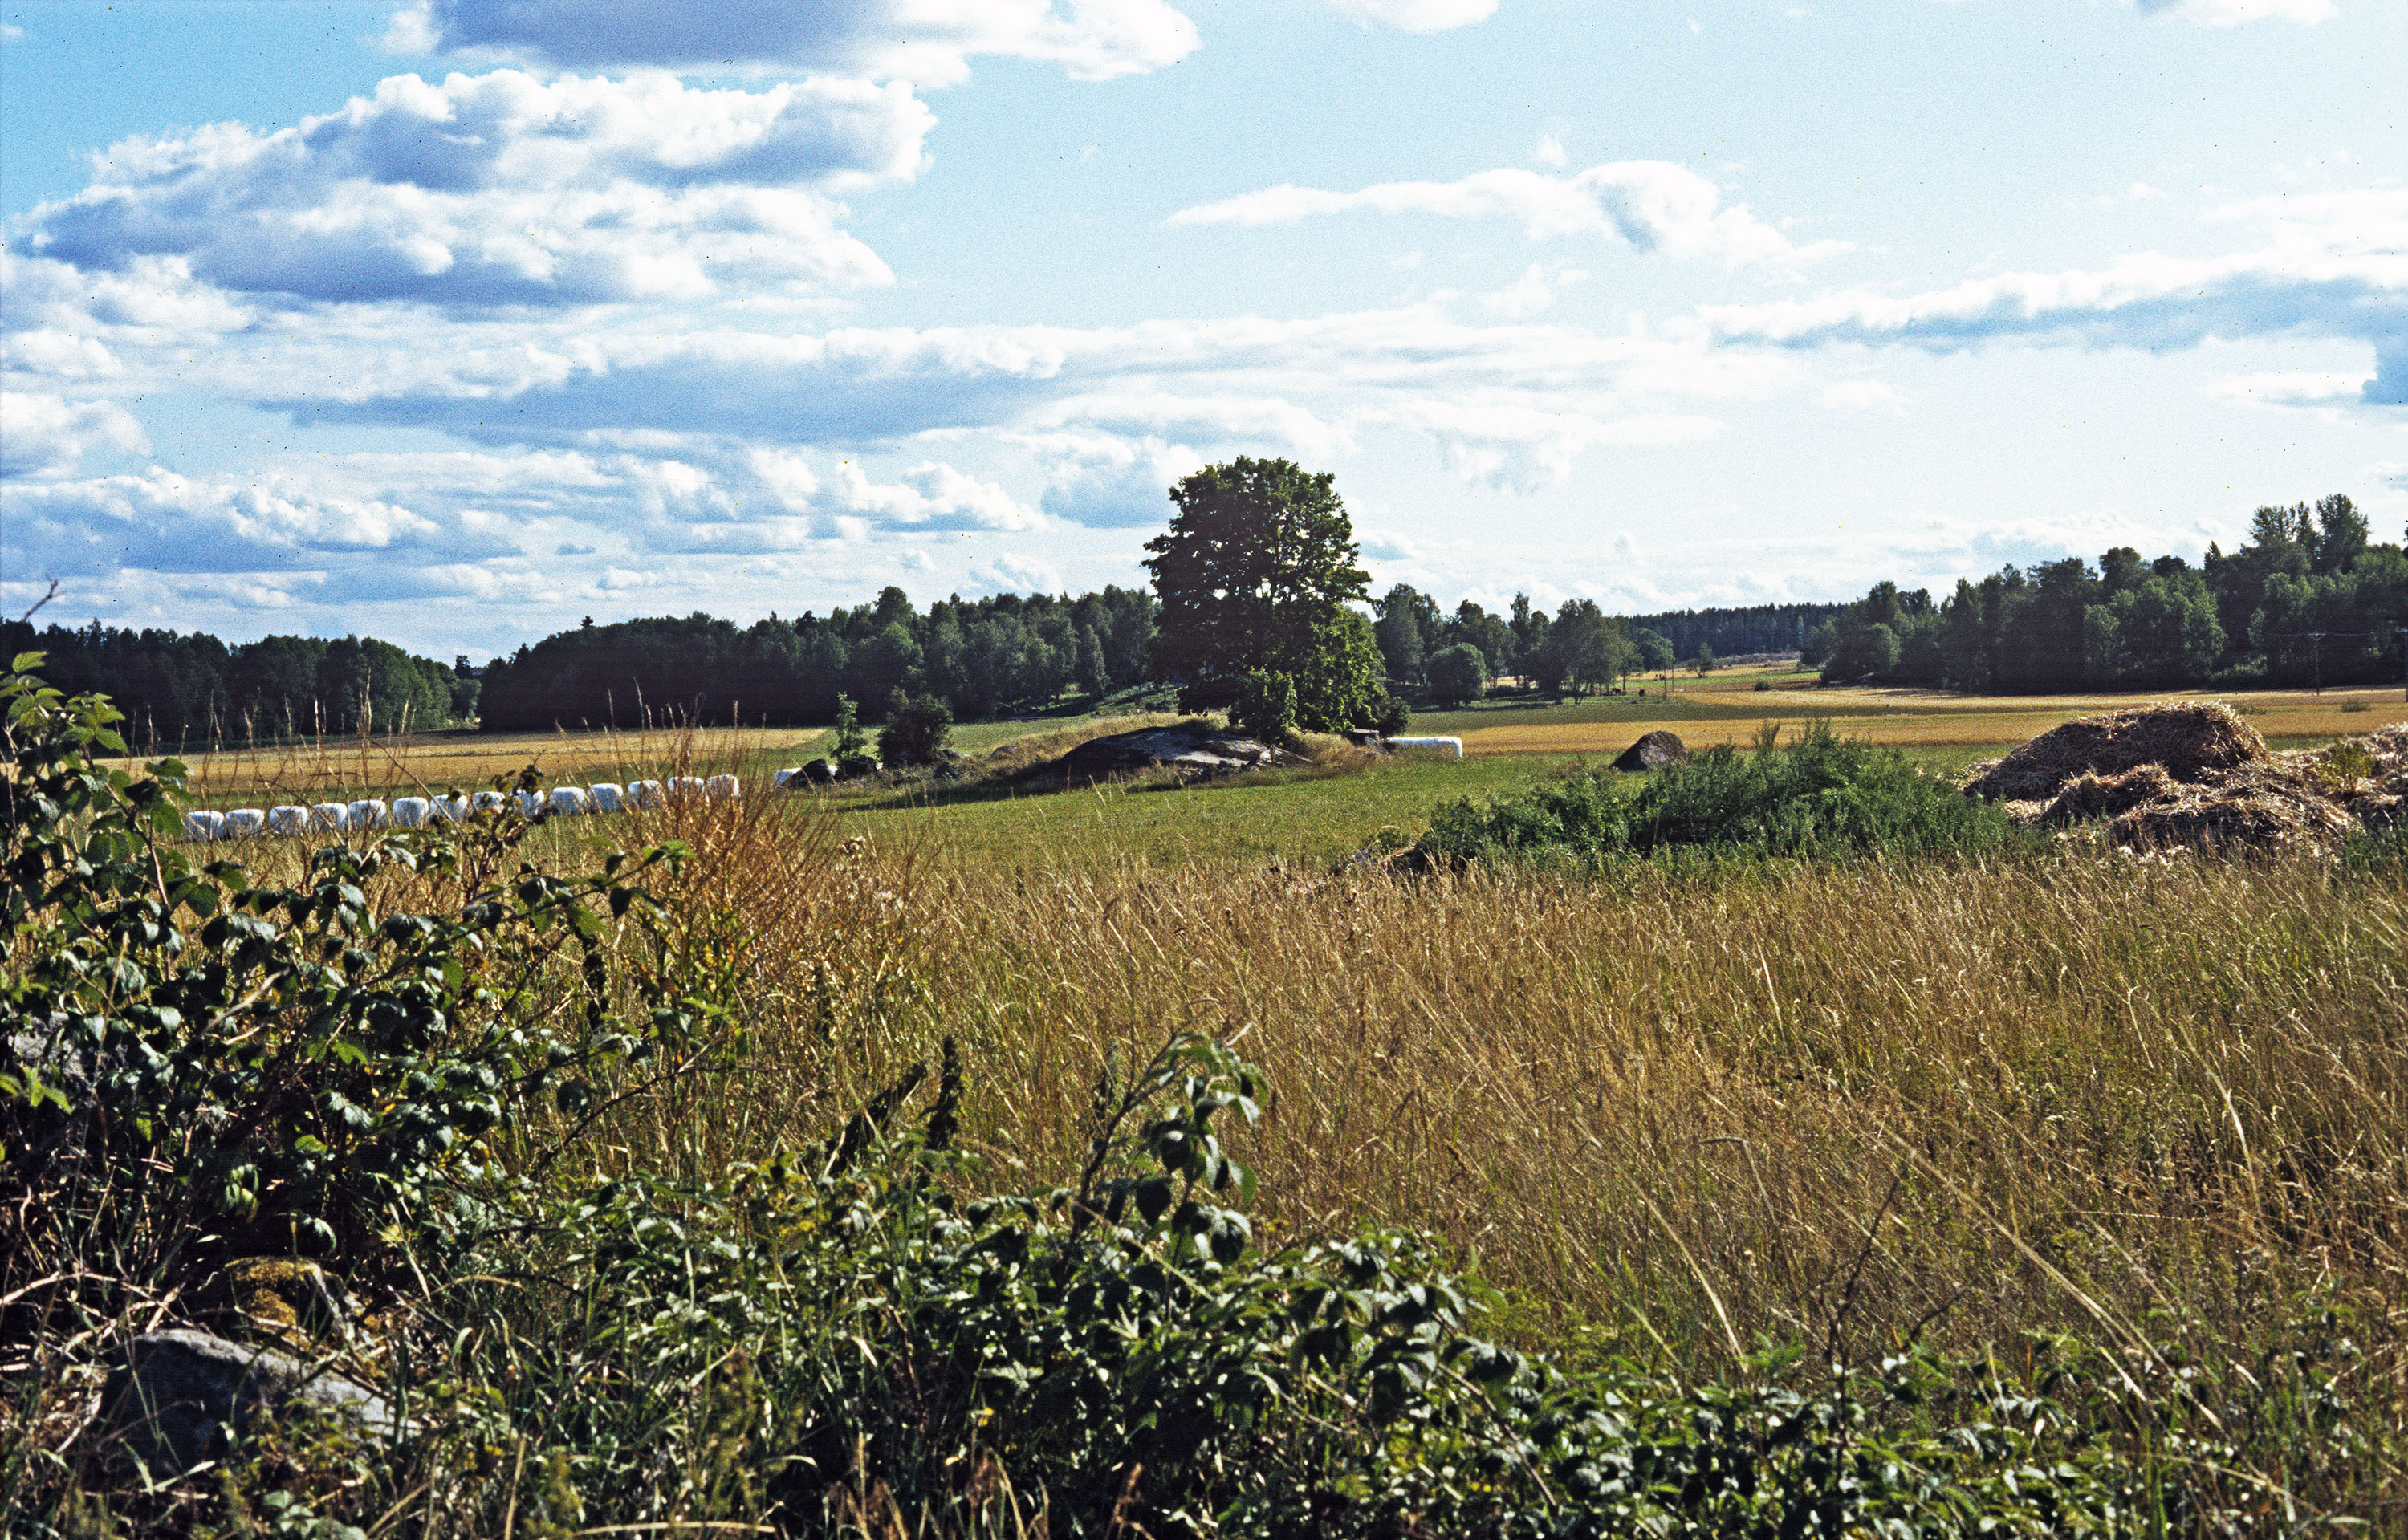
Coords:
2117,1147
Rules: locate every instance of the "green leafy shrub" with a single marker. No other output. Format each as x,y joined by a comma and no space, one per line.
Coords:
916,729
1820,796
199,1067
1263,706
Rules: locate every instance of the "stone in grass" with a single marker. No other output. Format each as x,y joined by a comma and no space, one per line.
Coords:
179,1393
1654,753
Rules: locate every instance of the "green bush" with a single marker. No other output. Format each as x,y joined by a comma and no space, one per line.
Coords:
1456,675
1820,796
1263,706
916,729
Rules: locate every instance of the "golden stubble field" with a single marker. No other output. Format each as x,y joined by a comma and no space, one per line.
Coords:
344,768
1733,711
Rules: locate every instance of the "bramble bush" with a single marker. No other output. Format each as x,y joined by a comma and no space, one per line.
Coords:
841,1338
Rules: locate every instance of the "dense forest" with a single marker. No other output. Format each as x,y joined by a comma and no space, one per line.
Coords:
2308,599
179,687
984,657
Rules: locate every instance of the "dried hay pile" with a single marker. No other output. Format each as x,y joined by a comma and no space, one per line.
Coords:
2195,773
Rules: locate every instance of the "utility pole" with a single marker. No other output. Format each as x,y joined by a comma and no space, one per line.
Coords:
2403,662
2316,655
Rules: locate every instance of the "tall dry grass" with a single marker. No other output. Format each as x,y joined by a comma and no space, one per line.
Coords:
1843,1104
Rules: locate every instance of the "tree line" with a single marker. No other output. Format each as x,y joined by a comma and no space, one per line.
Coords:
188,687
1577,649
2307,599
1257,588
983,658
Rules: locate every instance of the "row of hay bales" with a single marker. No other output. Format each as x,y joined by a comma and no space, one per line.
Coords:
331,818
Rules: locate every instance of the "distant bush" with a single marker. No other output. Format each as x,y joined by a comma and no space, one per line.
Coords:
1263,706
1456,674
1818,795
916,729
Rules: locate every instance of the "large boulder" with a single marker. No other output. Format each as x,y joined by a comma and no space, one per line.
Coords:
1653,751
1190,750
179,1394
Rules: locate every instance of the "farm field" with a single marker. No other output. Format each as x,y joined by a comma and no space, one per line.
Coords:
1717,710
1306,819
1978,1104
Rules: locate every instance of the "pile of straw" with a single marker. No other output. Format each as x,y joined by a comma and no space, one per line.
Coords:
2195,773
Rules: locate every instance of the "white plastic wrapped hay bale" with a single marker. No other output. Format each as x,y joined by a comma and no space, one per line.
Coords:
530,803
288,818
784,778
605,796
488,801
1452,748
203,826
455,807
368,813
243,823
330,818
721,789
684,786
568,801
646,793
411,812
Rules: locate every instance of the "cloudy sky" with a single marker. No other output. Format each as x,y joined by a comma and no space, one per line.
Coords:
454,321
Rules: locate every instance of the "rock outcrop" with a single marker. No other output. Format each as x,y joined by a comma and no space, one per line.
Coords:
179,1393
1191,751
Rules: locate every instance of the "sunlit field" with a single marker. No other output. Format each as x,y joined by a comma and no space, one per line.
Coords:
1729,710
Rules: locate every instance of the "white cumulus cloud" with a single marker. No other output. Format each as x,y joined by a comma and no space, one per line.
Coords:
1654,205
928,41
44,434
501,189
2333,264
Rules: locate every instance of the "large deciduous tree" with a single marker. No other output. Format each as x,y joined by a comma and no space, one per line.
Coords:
1256,574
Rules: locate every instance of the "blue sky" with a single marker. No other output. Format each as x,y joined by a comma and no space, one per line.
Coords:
455,320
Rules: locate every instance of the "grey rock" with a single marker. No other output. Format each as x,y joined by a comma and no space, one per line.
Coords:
179,1393
1654,753
1192,752
854,766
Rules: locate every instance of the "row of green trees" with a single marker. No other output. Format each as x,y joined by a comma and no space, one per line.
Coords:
983,658
188,687
1577,649
2309,598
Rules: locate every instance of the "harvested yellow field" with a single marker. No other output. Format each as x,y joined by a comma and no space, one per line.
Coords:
337,768
1920,718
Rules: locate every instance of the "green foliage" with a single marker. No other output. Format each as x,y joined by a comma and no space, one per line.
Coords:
1256,574
1458,674
847,739
1820,796
839,1338
916,729
200,1066
1265,706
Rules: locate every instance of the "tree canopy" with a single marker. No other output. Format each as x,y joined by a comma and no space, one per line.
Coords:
1255,576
